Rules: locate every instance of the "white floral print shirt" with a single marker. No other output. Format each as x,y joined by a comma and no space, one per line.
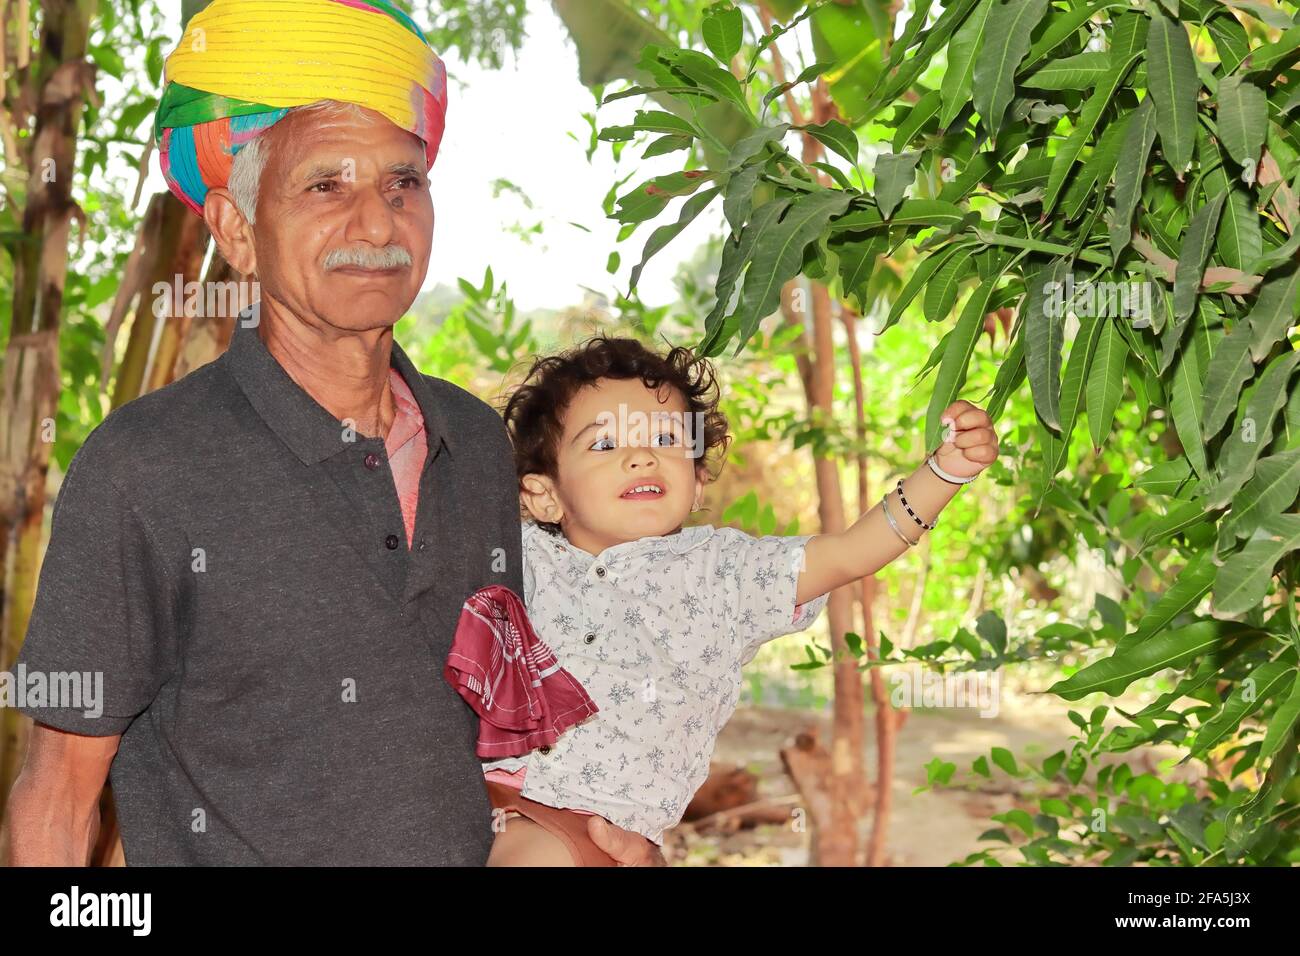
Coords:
656,630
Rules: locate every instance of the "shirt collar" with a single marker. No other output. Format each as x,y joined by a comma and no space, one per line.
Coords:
678,543
298,419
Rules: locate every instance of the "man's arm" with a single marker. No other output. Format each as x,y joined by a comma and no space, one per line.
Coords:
53,810
833,560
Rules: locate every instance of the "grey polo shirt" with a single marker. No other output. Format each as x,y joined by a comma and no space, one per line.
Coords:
235,565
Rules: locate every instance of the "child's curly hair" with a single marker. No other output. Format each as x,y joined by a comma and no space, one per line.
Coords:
534,411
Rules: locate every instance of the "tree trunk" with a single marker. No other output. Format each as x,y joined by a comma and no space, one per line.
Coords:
887,723
63,78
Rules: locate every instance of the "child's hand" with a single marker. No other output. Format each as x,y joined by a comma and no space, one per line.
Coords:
970,444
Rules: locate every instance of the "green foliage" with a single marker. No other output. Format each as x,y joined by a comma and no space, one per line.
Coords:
1153,146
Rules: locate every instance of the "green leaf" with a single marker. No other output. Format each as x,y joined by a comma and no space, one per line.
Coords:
723,31
1106,381
1242,581
704,71
1165,478
1005,761
1277,305
736,254
651,197
1007,40
962,48
894,174
1082,71
665,234
1192,255
1239,243
1072,385
836,136
941,292
1180,517
1267,58
1264,681
1283,722
1191,584
753,143
1185,407
1271,490
780,254
857,260
920,278
738,200
1275,257
1230,40
1171,77
1044,333
665,144
917,117
1088,119
1112,675
1064,27
912,212
952,370
1229,369
1253,432
1130,174
1242,119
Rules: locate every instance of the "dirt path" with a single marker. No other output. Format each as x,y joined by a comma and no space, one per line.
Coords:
932,828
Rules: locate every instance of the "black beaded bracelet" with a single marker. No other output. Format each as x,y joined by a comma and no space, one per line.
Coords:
908,509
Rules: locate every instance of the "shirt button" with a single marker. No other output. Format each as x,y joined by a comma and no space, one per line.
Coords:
589,637
600,572
372,461
543,750
391,542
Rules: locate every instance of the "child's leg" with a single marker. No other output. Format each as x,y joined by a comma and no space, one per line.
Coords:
525,843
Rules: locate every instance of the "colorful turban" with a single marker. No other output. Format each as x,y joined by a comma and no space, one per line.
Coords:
242,64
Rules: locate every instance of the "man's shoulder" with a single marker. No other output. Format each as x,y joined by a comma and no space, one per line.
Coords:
159,426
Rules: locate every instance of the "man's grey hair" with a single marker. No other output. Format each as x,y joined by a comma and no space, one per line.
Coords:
250,161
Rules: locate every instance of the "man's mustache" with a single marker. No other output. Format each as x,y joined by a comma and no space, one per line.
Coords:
390,257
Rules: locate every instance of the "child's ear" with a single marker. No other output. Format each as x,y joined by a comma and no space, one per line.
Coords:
699,490
538,494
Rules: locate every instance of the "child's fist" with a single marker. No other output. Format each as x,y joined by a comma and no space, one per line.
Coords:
969,444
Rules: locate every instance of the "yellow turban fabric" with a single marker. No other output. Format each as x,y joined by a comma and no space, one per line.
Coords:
242,64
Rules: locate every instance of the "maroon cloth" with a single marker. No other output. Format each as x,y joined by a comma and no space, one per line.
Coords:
523,697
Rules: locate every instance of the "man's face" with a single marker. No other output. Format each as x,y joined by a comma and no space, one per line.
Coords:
336,187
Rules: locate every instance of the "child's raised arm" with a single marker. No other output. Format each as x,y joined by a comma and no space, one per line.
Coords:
833,560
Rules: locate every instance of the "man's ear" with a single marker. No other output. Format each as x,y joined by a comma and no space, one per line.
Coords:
232,233
539,496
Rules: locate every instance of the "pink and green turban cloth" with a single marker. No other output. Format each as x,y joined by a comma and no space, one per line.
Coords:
243,64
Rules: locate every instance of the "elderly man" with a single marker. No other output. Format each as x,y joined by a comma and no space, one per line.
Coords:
266,560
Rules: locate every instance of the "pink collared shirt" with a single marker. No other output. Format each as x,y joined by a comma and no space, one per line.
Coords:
407,446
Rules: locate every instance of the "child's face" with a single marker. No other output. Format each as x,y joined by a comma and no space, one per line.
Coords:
618,436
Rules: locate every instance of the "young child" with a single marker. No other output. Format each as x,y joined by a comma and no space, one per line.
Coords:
613,445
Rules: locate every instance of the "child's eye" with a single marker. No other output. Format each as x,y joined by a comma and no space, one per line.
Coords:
603,444
669,438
